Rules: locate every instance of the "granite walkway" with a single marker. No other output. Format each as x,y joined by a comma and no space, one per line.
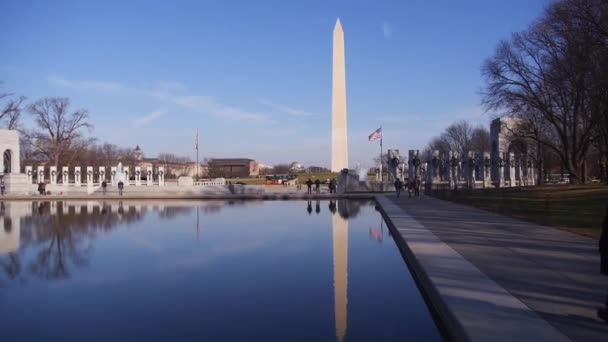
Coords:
501,278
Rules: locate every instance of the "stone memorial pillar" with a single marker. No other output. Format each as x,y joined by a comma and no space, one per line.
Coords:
65,175
127,175
53,173
410,164
150,176
113,175
77,176
102,174
511,168
469,170
161,176
486,170
28,174
137,176
89,176
393,164
40,174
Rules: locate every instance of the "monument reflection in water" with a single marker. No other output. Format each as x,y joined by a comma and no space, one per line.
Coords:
204,270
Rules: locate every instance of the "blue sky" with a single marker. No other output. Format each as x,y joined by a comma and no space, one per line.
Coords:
255,76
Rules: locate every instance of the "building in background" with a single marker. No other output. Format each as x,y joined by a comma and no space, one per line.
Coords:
233,167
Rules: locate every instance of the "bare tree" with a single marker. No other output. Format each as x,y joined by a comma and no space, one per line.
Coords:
552,70
10,112
458,136
281,168
57,129
480,140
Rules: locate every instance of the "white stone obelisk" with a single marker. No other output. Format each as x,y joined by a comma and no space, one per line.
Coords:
339,143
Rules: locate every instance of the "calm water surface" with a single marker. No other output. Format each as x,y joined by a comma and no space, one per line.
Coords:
213,271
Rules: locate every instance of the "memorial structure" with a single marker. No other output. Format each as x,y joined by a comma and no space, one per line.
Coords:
339,142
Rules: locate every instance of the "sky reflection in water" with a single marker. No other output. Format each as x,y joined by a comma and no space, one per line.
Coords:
160,270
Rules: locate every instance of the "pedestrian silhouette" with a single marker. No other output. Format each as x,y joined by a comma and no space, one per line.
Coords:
398,186
318,186
603,249
309,185
121,186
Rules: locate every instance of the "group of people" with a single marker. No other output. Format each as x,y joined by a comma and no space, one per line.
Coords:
412,186
332,185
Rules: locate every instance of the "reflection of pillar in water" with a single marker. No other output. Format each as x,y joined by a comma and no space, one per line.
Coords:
10,224
340,239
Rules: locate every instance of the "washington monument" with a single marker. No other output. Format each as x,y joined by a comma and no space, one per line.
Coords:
339,143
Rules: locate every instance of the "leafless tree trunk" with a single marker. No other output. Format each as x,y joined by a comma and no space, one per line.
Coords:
57,129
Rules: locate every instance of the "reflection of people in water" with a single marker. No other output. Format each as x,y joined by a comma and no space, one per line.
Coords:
121,210
318,207
332,207
309,209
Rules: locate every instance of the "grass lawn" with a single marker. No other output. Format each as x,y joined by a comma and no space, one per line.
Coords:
579,209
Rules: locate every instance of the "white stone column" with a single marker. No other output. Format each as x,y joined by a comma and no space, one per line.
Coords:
161,176
127,175
113,175
137,176
28,174
53,174
469,167
511,169
65,175
150,176
89,176
487,170
77,176
40,174
102,174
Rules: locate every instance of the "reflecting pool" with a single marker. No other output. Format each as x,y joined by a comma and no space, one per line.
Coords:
213,271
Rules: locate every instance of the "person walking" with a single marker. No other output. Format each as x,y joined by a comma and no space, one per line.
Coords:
318,186
2,187
398,186
104,187
121,186
41,188
603,249
309,185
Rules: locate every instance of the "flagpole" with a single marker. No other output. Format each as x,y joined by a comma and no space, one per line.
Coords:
381,153
197,156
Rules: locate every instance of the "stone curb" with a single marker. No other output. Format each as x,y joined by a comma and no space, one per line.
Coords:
468,304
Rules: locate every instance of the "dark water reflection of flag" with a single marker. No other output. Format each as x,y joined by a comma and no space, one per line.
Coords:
375,234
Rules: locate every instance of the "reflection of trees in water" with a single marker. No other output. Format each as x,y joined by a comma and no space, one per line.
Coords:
171,212
64,238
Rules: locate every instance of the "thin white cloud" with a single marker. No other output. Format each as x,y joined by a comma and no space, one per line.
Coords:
168,91
146,119
284,109
90,84
211,106
386,30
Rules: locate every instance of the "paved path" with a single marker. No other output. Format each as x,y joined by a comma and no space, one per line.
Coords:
553,273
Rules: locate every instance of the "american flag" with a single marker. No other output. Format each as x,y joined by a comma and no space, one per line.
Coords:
376,135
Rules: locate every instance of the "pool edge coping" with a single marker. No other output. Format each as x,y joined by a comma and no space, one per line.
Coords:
450,324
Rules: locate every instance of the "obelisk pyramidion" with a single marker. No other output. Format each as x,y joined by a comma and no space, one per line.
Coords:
339,144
